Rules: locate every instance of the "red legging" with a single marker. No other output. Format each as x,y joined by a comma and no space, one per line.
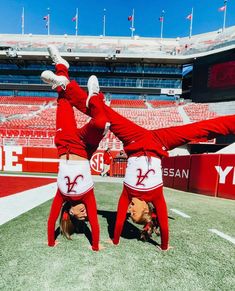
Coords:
82,142
77,97
89,200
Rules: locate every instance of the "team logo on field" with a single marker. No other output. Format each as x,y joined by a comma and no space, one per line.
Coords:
141,177
71,184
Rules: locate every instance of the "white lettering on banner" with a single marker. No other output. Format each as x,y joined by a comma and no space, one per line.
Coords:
223,174
10,158
96,162
171,172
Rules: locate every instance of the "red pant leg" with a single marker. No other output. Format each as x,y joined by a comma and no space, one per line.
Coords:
67,137
61,70
91,208
173,137
73,93
123,128
53,216
123,204
91,135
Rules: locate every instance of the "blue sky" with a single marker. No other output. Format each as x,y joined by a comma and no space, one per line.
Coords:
90,20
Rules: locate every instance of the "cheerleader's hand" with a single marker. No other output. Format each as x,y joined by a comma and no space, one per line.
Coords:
160,249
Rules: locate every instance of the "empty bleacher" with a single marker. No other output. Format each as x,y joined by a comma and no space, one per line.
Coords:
116,103
33,124
199,111
161,103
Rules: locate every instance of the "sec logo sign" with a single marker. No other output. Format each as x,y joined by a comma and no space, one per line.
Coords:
96,162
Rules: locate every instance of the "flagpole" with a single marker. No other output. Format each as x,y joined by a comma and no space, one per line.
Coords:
76,24
191,24
162,23
132,23
48,21
225,12
104,22
22,21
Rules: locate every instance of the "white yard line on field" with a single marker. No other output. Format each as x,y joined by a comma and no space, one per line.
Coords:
180,213
223,235
14,205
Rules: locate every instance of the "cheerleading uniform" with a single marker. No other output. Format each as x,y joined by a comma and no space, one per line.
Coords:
74,176
145,148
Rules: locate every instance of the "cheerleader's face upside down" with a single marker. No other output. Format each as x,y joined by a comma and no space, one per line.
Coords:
79,211
138,209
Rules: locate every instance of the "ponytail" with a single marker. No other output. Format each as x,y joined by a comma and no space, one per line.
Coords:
150,222
66,225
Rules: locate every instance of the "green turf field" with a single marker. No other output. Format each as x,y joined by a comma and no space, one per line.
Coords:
200,260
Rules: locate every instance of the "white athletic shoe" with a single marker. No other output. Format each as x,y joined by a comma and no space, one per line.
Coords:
55,81
56,57
93,88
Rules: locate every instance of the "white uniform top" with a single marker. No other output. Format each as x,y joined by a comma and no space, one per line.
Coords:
74,177
143,173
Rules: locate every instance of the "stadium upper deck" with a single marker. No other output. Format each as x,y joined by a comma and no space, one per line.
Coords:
179,50
144,68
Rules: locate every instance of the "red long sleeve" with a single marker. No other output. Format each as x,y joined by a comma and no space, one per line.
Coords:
121,215
53,216
91,208
162,214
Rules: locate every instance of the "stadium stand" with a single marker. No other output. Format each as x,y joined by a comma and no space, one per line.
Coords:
127,104
142,78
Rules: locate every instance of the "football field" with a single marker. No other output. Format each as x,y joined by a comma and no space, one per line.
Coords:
202,232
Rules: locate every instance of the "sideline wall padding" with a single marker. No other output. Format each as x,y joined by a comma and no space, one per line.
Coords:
203,175
209,174
168,170
181,178
226,182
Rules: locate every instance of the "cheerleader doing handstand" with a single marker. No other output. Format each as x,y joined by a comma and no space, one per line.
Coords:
145,149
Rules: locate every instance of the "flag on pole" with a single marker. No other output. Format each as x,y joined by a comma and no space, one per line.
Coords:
223,8
189,17
161,18
75,18
130,18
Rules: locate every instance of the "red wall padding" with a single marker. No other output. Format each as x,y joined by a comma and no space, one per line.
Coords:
203,176
226,183
182,166
209,174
